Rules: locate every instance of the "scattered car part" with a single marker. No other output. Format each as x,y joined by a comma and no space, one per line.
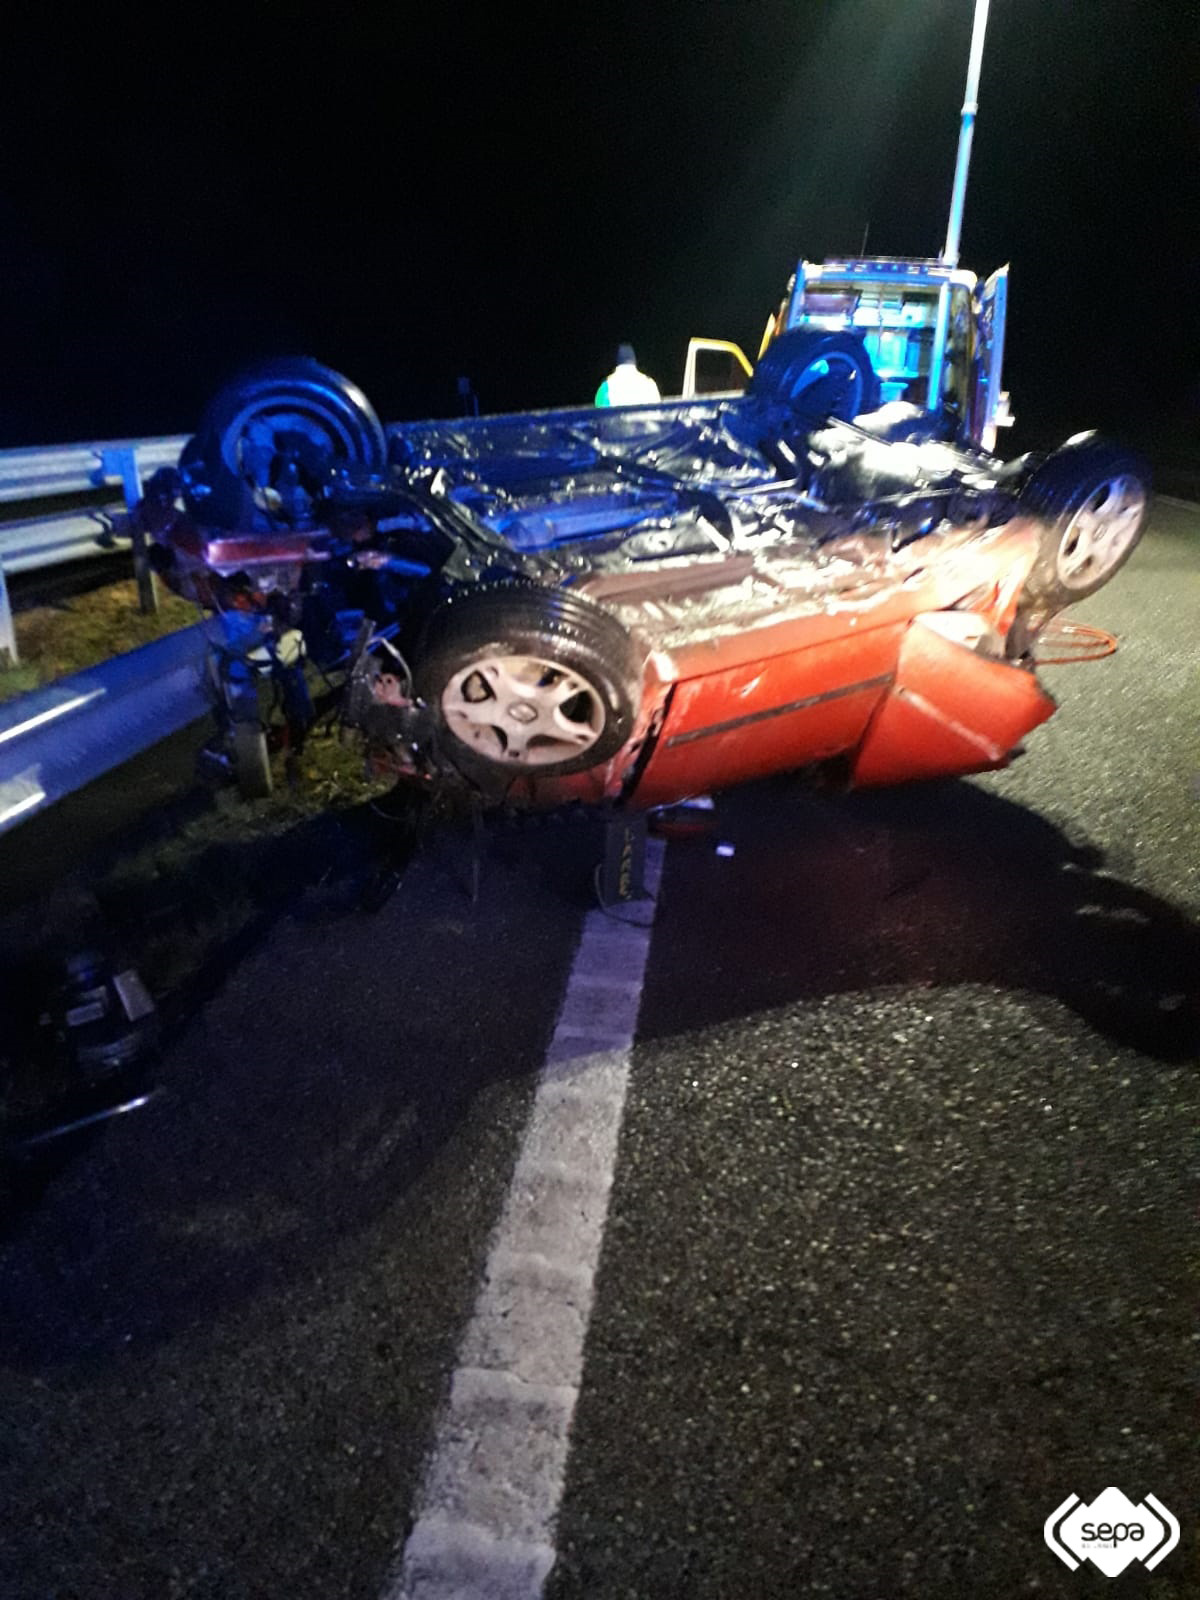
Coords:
1074,642
622,874
102,1022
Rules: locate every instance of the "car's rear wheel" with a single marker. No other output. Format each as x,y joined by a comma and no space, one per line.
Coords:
817,376
1093,498
274,437
528,681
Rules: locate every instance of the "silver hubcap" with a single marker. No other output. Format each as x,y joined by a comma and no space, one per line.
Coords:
523,711
1101,531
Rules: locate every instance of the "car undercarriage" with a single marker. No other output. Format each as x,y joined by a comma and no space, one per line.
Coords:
547,606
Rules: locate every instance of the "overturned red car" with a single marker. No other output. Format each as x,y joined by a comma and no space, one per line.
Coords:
634,605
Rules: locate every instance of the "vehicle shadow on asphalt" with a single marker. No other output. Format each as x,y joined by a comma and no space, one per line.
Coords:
931,886
306,1103
321,1063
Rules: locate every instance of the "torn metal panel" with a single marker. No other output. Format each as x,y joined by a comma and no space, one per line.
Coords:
952,708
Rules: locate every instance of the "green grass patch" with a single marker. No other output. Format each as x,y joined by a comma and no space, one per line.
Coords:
84,629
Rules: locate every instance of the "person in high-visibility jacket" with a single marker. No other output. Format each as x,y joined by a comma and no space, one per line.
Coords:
625,385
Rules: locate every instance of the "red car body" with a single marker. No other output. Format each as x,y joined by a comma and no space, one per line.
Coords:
635,605
889,679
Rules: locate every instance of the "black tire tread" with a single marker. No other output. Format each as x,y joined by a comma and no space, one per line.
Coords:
790,353
526,616
300,379
1054,492
214,489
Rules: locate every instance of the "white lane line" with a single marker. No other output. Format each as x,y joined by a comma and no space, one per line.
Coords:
486,1511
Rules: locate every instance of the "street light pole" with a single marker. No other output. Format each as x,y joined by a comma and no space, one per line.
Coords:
966,134
958,195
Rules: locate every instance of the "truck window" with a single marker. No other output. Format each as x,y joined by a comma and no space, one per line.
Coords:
896,323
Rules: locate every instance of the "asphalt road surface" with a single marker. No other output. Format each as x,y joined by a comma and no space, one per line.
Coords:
901,1245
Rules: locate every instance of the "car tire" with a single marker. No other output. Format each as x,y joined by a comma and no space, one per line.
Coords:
330,425
251,761
817,376
528,681
1093,499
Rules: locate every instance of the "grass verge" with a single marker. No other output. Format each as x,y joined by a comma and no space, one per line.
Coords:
80,630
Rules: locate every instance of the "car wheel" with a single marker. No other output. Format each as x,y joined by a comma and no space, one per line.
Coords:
817,375
528,681
1093,498
251,761
274,437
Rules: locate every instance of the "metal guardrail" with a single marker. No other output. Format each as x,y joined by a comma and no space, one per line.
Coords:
64,469
72,468
37,542
56,739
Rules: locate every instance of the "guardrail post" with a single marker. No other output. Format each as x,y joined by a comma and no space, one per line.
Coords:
125,462
8,634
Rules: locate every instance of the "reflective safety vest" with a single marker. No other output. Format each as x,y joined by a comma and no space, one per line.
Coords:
626,386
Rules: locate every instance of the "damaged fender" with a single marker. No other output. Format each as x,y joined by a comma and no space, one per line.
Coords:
952,708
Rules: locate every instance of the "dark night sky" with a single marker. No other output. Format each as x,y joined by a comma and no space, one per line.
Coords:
413,191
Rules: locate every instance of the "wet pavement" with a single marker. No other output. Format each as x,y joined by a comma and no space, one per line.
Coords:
901,1249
